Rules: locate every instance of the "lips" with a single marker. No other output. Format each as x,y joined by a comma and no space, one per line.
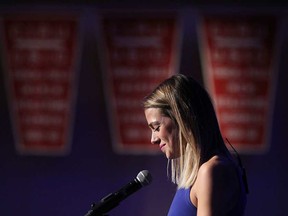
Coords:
161,146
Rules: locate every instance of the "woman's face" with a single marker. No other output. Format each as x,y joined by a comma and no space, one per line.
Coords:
164,132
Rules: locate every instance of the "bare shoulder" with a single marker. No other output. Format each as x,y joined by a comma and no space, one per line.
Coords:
217,166
218,173
216,185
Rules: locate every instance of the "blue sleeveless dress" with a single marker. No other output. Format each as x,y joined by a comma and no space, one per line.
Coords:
182,205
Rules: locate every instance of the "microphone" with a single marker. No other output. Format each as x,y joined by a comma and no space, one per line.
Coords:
113,199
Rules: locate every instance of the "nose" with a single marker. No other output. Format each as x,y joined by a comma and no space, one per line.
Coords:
155,139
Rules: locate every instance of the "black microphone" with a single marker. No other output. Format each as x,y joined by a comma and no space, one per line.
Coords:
113,199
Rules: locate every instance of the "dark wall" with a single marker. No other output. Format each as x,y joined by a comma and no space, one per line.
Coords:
42,185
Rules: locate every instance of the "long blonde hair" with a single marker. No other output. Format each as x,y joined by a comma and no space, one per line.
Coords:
189,106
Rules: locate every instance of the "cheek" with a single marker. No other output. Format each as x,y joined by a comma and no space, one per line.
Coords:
175,140
173,134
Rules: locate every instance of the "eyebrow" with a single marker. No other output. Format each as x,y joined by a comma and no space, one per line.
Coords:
154,123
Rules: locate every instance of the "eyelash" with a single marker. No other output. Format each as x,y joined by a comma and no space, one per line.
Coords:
156,129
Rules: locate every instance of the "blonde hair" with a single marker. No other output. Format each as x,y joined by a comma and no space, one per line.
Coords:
189,106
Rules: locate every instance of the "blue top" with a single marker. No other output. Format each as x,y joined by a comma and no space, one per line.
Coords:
182,205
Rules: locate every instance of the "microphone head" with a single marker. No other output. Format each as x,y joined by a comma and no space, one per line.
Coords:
144,177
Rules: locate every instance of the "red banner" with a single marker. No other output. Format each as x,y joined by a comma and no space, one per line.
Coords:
40,63
238,60
141,51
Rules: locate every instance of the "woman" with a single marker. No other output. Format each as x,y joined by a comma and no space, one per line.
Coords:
184,125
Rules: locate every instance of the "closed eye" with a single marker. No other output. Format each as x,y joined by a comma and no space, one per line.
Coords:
157,129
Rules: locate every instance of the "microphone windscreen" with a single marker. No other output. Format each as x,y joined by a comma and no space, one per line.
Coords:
144,177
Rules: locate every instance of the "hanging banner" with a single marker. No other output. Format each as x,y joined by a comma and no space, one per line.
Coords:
40,60
238,56
141,51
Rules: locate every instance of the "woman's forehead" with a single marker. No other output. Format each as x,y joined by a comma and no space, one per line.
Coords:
153,113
